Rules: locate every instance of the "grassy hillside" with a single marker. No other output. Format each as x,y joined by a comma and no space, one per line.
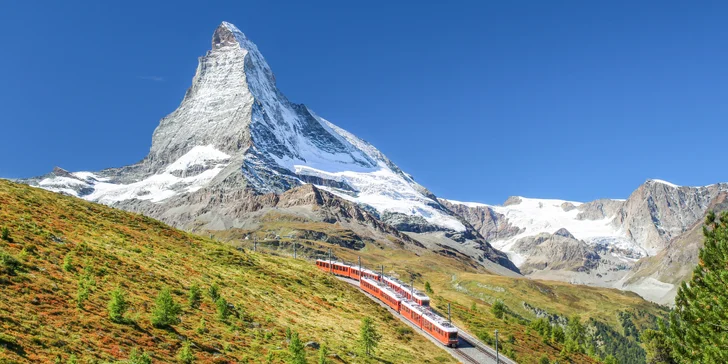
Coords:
63,256
611,316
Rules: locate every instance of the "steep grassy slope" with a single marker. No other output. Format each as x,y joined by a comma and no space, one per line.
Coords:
471,291
64,246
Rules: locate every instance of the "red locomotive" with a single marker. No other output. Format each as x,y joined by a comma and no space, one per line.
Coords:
403,298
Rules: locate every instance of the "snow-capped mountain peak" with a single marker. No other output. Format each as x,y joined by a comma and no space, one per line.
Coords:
234,121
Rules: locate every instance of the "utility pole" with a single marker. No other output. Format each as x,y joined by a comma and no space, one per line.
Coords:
294,250
382,272
497,359
331,266
360,267
448,313
255,244
412,286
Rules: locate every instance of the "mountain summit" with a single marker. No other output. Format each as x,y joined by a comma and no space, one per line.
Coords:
235,138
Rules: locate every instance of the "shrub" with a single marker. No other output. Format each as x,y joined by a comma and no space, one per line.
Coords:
5,234
68,262
117,305
557,334
498,309
195,295
165,310
544,359
202,327
323,354
8,263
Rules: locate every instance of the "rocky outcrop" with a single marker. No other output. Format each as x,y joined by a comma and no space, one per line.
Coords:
559,251
490,224
657,212
599,209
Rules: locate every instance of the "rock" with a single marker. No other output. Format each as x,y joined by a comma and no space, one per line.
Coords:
313,345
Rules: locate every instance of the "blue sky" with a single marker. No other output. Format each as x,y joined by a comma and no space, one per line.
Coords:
478,100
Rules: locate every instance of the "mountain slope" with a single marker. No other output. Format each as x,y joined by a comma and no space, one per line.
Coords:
659,223
63,244
235,140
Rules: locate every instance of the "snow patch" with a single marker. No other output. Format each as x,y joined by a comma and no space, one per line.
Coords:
199,155
664,183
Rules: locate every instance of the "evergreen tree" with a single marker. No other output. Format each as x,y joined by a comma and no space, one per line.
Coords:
213,292
557,334
428,288
544,359
165,310
5,234
498,309
323,354
610,359
698,326
117,305
368,336
223,311
297,354
194,296
185,355
575,334
657,348
138,358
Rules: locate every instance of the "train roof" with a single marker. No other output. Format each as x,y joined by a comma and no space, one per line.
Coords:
407,288
430,316
383,287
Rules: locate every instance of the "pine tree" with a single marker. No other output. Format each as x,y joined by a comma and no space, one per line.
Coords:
185,355
213,292
698,326
575,334
138,358
165,310
223,311
194,296
657,348
544,359
5,234
368,336
428,288
117,305
498,309
296,352
323,354
557,334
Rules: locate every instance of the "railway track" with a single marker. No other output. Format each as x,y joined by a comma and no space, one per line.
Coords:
467,357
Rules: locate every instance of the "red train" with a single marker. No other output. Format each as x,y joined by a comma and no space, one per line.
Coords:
404,299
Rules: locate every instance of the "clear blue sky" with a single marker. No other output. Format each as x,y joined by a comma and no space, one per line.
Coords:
478,100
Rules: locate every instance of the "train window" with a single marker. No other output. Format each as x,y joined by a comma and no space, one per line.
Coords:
453,335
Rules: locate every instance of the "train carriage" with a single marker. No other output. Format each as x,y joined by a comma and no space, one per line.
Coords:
403,298
407,291
381,292
439,328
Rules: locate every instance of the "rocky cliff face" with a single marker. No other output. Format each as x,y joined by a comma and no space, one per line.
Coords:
236,145
658,211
